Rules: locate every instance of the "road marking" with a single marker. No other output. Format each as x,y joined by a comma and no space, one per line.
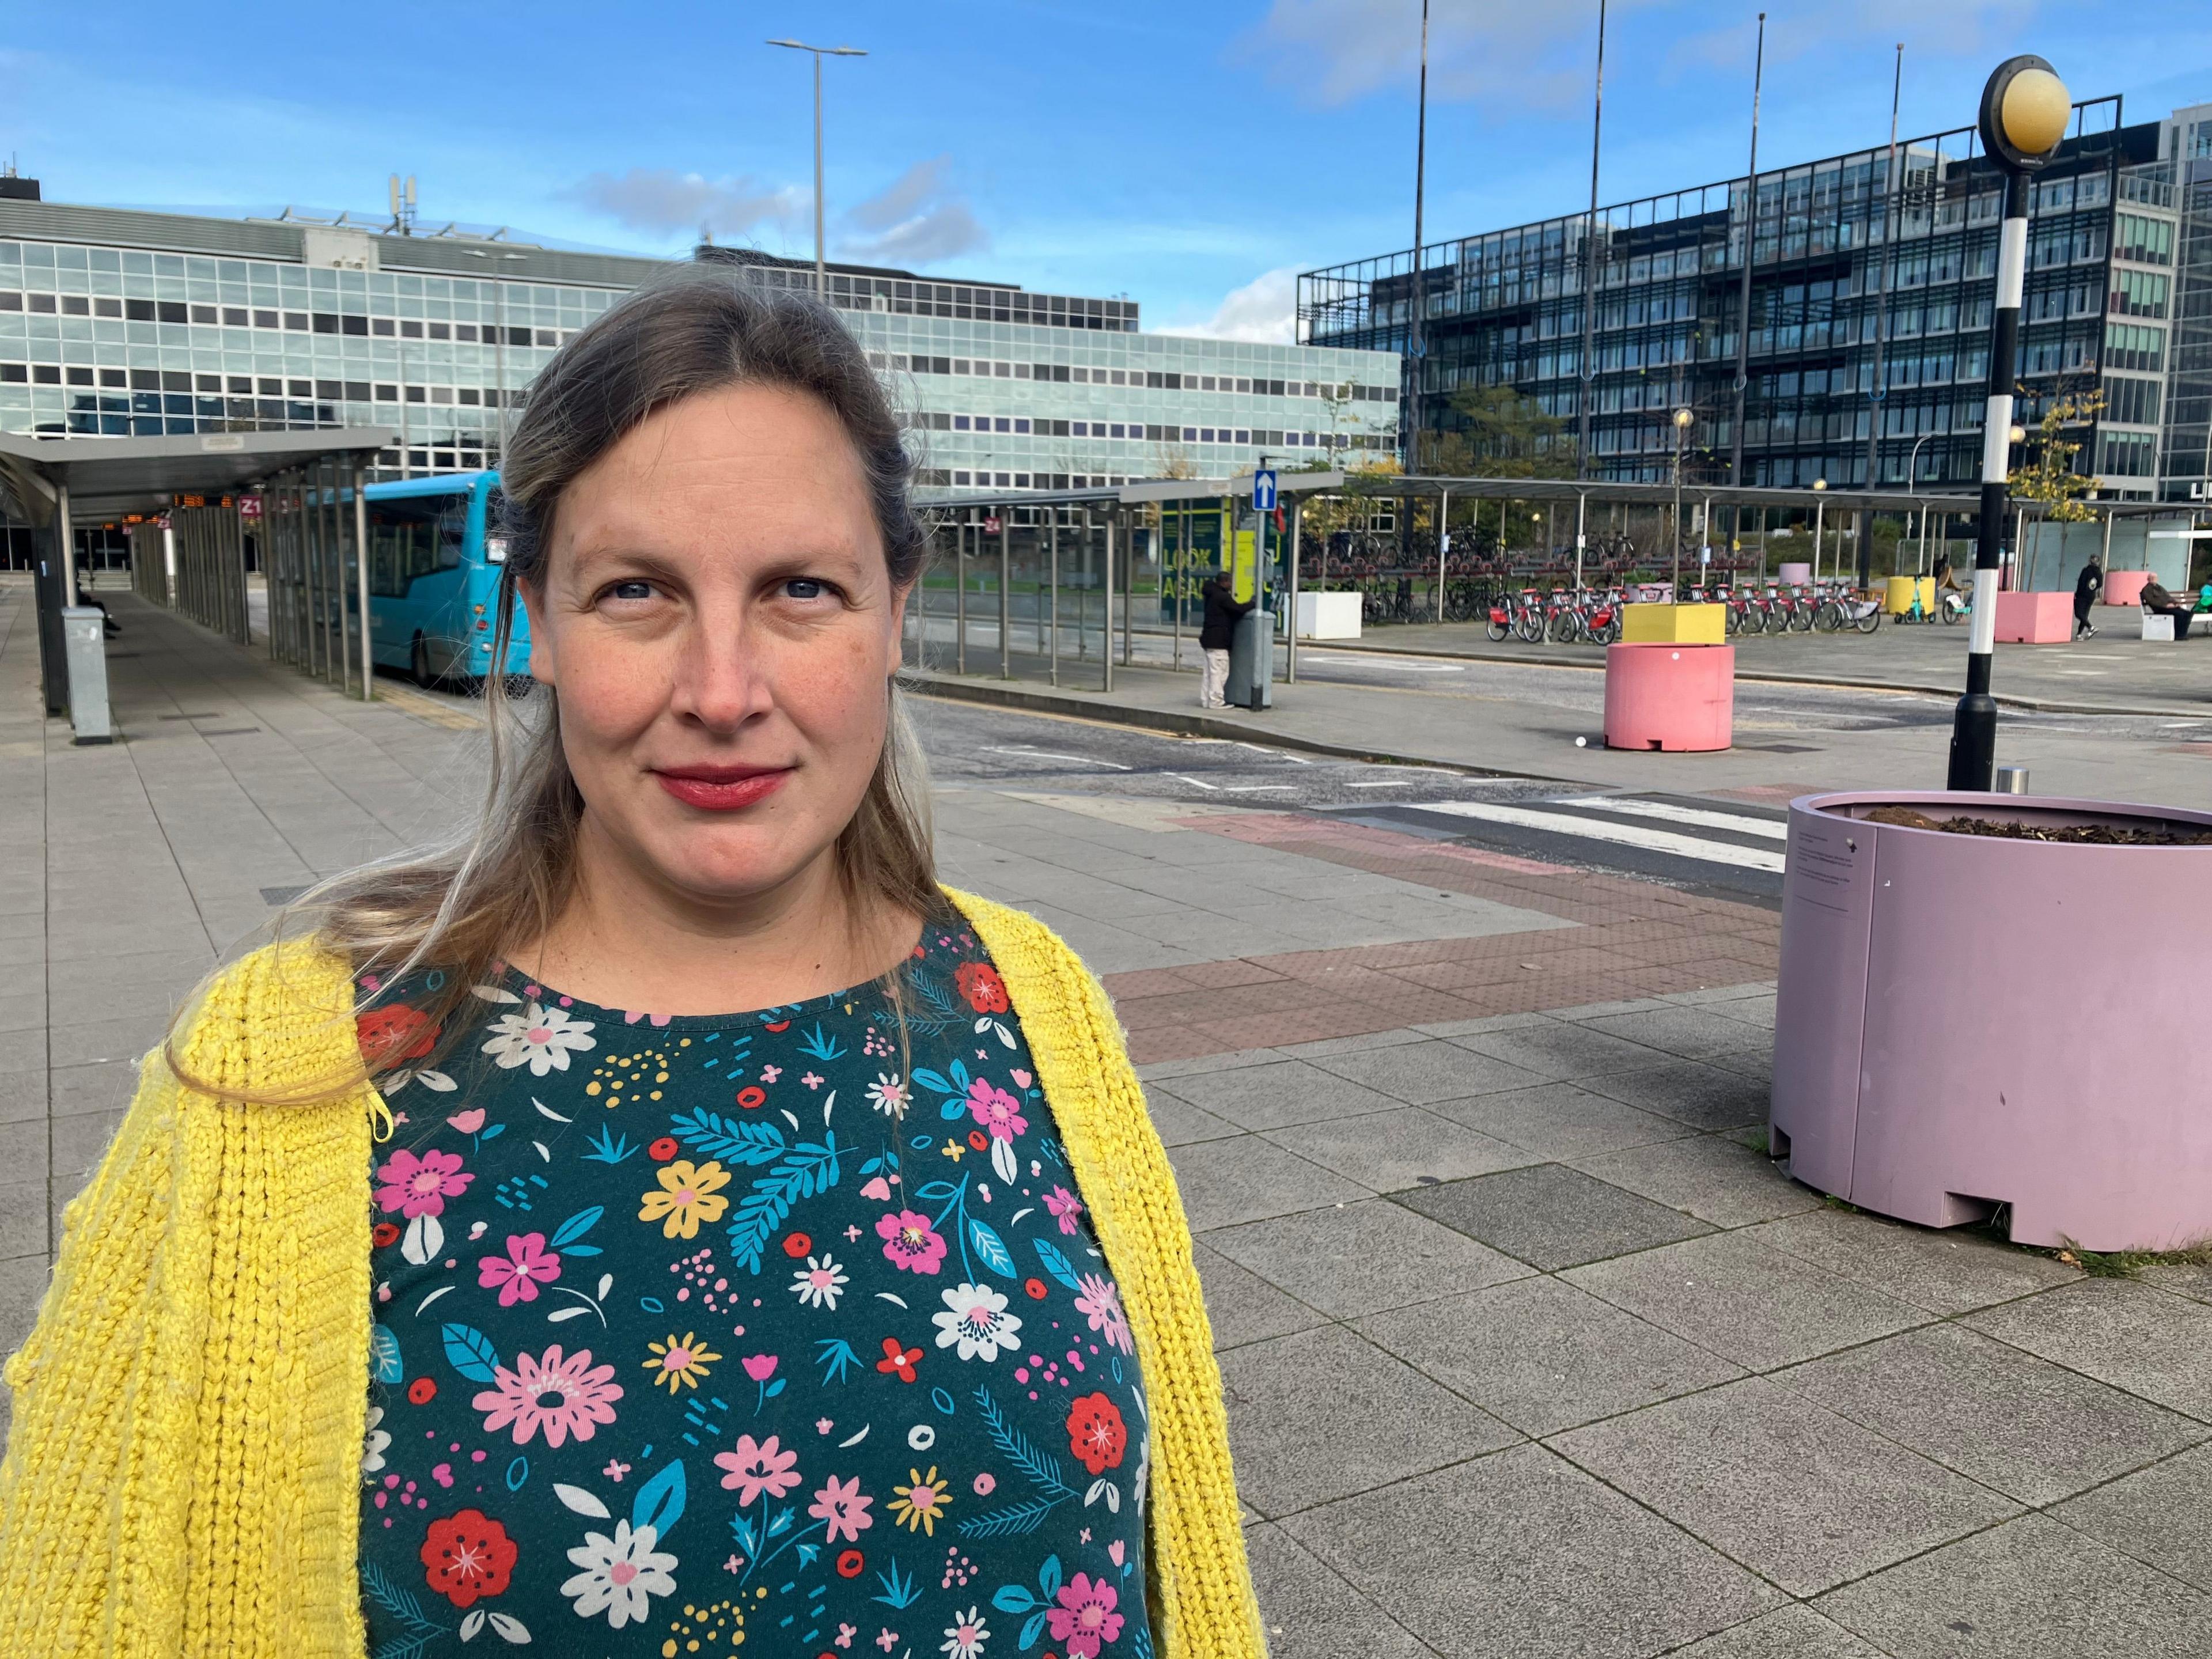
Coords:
1258,789
1046,754
1401,665
1628,834
1273,754
1670,813
1386,783
1210,788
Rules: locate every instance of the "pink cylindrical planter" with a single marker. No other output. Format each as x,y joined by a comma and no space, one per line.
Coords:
1968,1024
2125,586
1798,574
1669,697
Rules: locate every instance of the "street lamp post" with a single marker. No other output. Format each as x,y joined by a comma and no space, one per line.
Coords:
821,282
2025,109
498,290
1682,419
1413,341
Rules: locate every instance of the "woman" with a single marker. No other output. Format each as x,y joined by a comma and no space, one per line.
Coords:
466,1270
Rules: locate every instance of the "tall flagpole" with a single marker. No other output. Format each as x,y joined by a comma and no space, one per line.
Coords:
1590,271
1750,248
1420,300
1876,392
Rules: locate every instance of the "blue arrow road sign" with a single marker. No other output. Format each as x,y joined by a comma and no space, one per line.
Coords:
1263,491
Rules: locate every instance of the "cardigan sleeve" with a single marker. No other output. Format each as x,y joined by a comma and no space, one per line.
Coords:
114,1349
1200,1578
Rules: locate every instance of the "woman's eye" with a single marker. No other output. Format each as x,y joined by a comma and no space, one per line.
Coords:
804,587
631,590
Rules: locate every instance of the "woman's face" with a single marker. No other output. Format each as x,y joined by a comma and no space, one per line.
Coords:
715,613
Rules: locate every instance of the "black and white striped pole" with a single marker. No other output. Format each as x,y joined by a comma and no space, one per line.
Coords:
2025,110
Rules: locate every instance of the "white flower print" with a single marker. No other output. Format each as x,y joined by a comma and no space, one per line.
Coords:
819,1283
976,1320
620,1575
890,1095
965,1636
378,1443
539,1038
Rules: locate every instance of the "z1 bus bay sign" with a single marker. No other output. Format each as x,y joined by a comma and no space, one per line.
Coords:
1263,490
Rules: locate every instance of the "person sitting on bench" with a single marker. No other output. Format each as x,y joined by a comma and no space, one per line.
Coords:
2157,602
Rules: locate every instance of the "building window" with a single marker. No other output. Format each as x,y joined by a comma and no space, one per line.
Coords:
2130,345
2145,241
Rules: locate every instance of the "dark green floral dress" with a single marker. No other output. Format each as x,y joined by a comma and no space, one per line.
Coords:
749,1329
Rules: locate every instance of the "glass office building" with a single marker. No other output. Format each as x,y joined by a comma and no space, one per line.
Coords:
116,322
1861,279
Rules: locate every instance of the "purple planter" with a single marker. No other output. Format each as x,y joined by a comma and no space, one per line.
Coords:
1965,1022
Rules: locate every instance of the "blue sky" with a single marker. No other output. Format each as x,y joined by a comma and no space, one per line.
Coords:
1189,155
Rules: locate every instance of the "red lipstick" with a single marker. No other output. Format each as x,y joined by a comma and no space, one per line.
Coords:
721,788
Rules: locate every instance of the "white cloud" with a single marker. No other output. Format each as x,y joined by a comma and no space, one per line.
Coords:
915,221
663,200
1264,312
1335,51
1799,28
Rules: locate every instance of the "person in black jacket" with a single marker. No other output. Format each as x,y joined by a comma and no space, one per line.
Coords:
1214,635
2087,586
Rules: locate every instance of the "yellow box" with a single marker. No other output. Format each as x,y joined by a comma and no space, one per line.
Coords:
1898,596
1673,624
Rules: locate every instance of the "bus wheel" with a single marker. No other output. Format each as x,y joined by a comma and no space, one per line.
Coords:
419,664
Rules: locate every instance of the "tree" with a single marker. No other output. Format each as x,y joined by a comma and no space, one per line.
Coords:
2050,480
1507,436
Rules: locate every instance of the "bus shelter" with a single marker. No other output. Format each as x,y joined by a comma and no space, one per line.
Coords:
207,487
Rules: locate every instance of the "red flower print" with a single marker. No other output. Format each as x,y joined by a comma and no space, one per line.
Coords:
388,1035
909,1242
1097,1434
662,1150
420,1186
980,983
850,1563
1035,1288
423,1391
384,1235
527,1265
468,1555
995,1109
978,1141
897,1357
752,1096
1086,1616
797,1244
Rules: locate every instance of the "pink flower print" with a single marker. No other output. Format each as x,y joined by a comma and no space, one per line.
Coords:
995,1109
759,1467
420,1185
770,1074
1100,1301
845,1508
759,1366
811,1081
910,1241
1064,1205
527,1265
1085,1618
583,1396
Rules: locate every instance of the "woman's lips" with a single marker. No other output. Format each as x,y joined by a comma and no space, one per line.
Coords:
722,788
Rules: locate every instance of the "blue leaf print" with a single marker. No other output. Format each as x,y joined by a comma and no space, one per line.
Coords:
993,1248
575,1227
1031,1629
470,1352
384,1355
1056,1264
817,1046
608,1147
659,1501
932,1081
955,1108
746,1140
811,1168
1012,1598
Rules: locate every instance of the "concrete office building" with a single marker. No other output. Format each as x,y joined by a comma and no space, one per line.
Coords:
117,323
1860,278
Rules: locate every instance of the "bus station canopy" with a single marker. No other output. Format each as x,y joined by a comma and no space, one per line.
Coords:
107,477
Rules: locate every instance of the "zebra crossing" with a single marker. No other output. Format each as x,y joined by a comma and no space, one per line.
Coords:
1696,843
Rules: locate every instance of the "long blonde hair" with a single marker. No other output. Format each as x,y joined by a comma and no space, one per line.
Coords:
460,906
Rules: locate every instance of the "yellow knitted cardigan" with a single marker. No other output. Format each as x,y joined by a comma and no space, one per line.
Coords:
183,1478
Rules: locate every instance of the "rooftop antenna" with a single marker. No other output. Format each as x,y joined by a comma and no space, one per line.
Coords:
403,205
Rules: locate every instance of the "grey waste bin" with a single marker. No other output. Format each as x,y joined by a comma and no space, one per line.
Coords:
84,645
1252,661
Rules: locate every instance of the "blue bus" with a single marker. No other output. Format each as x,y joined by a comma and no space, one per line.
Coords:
434,578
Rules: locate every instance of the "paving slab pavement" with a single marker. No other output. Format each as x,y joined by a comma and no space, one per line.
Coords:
1528,1350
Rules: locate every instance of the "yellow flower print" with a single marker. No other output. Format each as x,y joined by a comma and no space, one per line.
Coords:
918,1506
689,1194
683,1362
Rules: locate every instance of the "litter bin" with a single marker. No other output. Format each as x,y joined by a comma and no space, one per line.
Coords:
1898,596
85,647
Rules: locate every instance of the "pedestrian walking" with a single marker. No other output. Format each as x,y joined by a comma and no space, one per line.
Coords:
422,1281
2087,586
1215,636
